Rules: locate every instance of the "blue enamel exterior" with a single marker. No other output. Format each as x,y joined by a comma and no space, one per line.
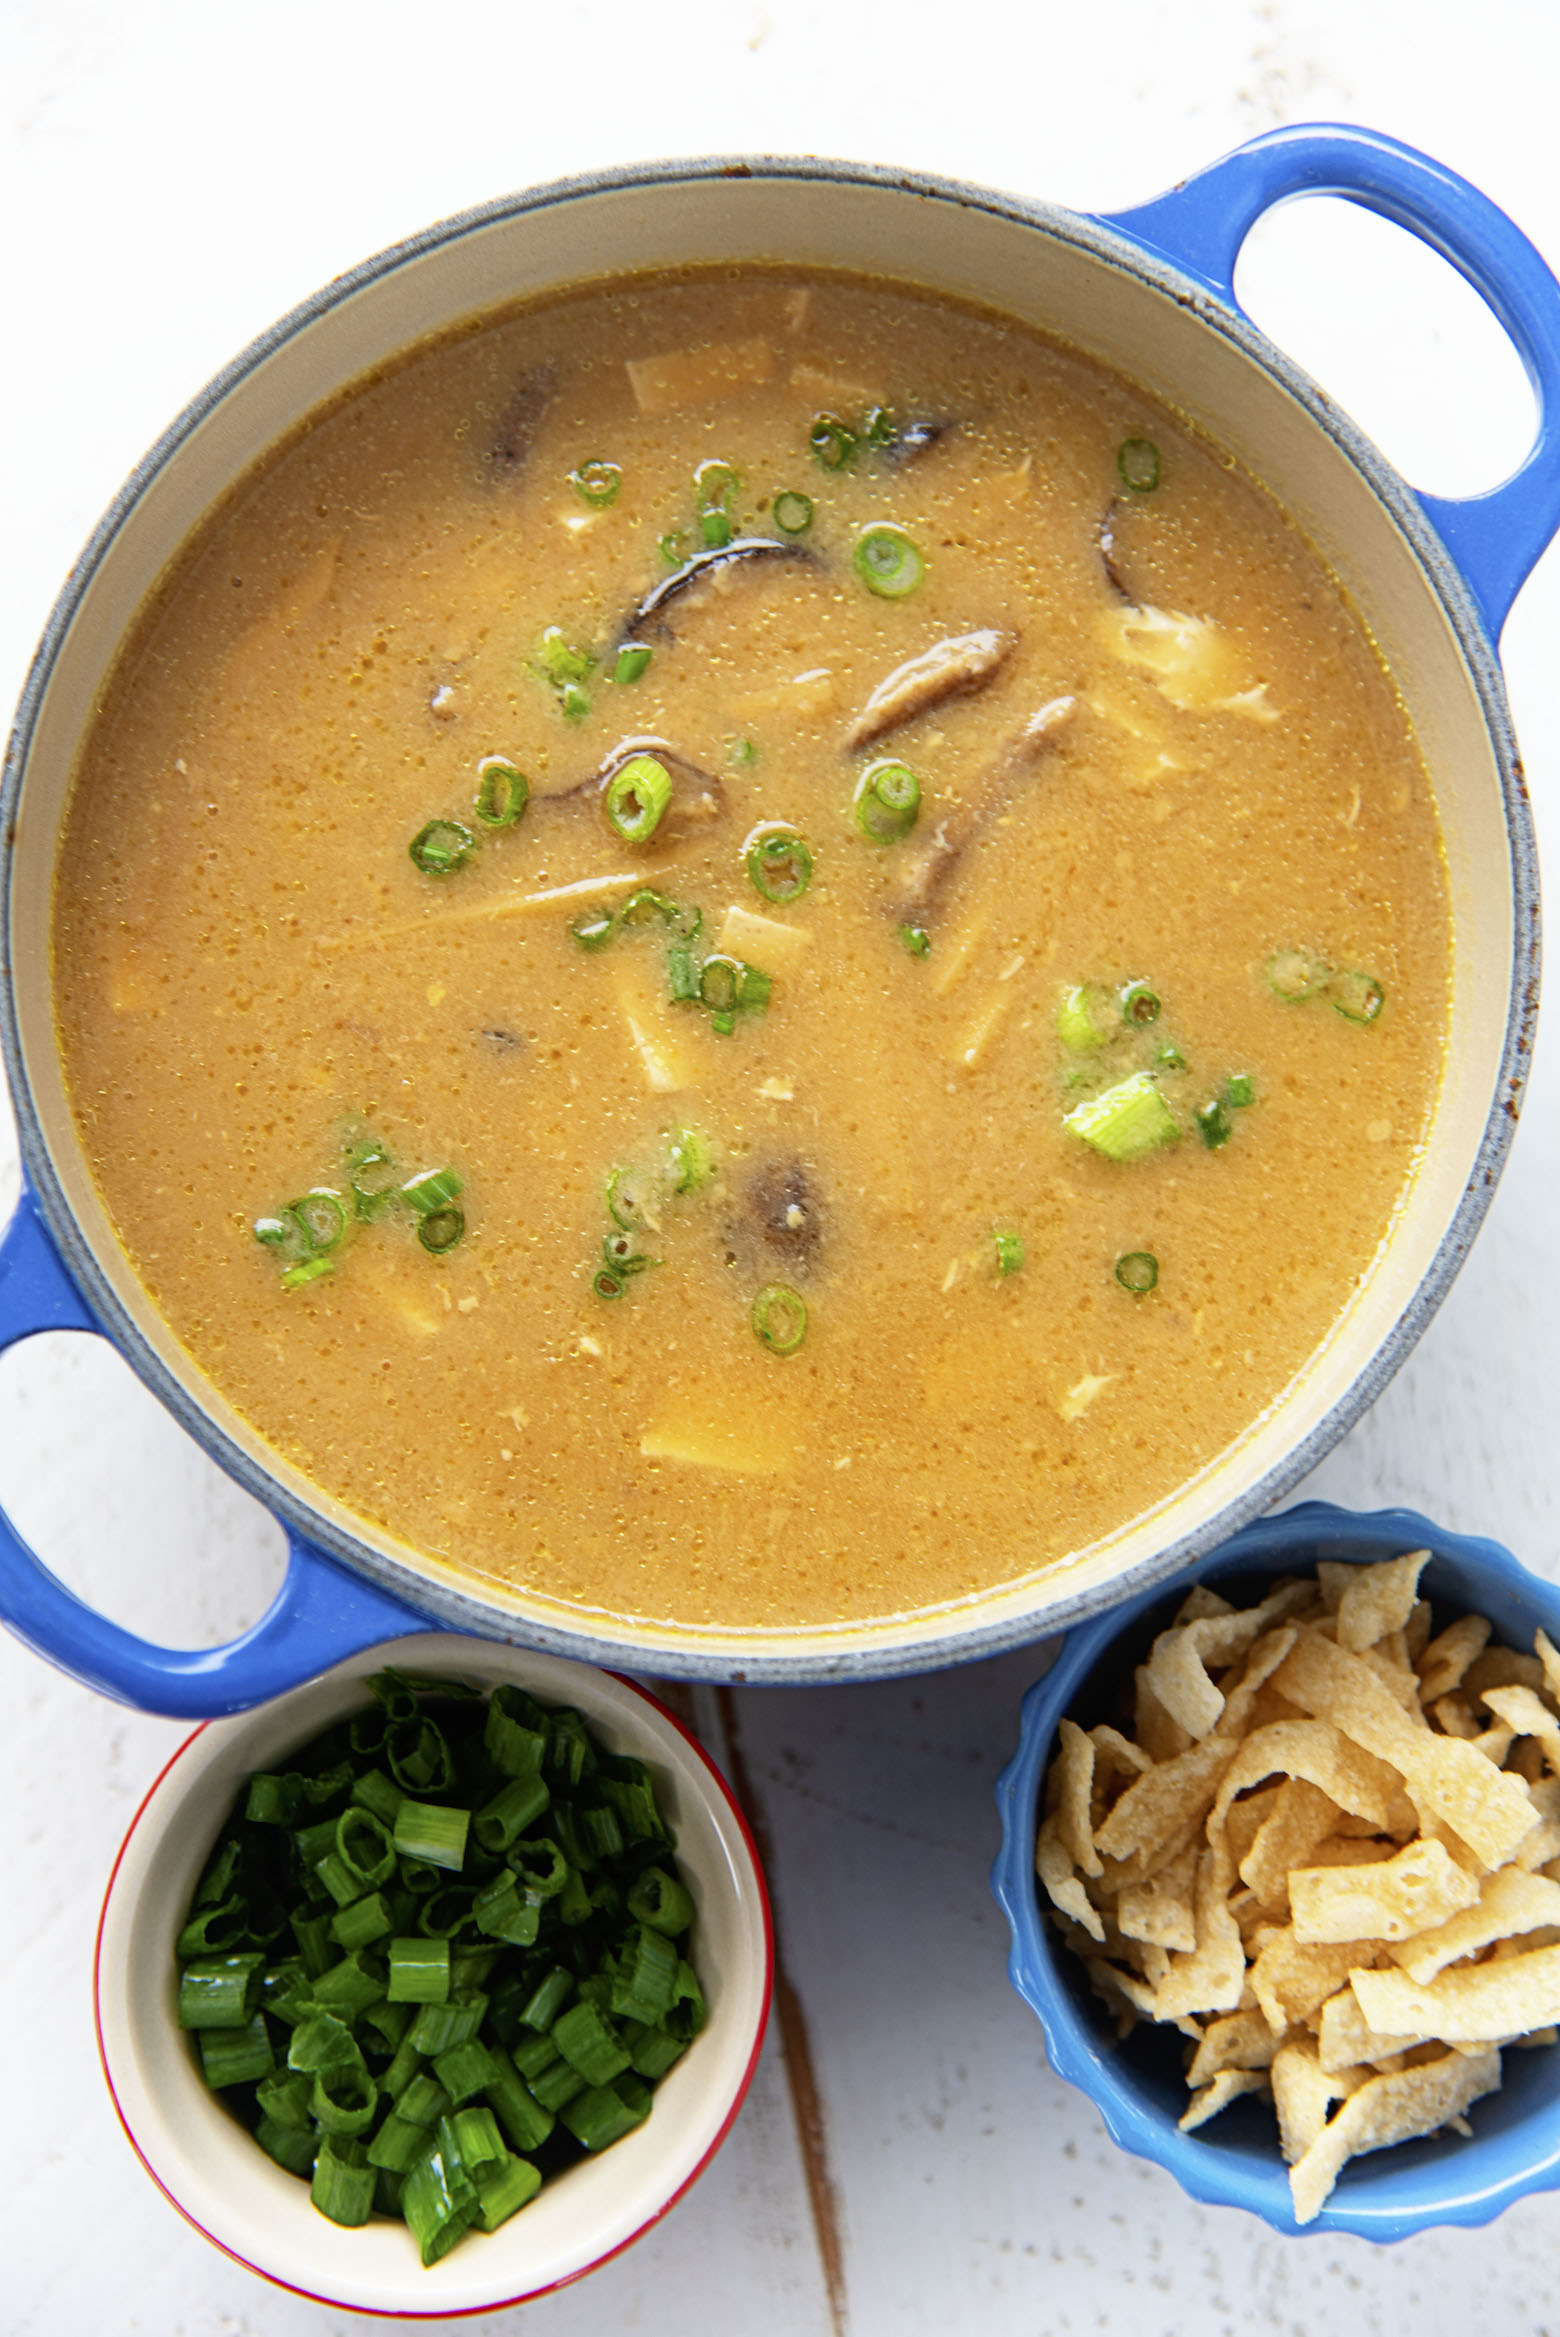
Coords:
1201,224
1138,2086
1189,241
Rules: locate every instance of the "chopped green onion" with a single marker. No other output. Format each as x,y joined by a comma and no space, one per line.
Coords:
606,1284
1169,1057
439,2206
345,2098
560,661
1139,1005
517,1805
1010,1252
362,1922
1213,1124
880,428
440,1229
503,791
441,847
319,1217
621,1257
778,862
216,1929
220,1992
741,753
793,512
431,1189
779,1318
602,2114
658,1899
597,483
625,1207
1297,974
371,1196
1238,1091
671,547
574,702
595,929
236,2056
503,2190
1357,997
689,1159
1137,462
1078,1024
887,802
289,2148
889,562
637,797
1125,1121
1138,1271
419,1971
343,2186
682,975
716,529
438,1836
715,482
272,1231
916,940
833,442
552,1994
633,662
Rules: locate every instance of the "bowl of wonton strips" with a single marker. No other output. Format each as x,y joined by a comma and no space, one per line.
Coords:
1281,1858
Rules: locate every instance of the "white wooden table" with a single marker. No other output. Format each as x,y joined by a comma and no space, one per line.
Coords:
174,176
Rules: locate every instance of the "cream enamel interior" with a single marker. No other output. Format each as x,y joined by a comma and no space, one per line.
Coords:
943,244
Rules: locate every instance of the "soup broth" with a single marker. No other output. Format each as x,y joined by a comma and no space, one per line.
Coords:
897,1163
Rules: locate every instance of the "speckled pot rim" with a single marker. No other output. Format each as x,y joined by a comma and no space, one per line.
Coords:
949,1637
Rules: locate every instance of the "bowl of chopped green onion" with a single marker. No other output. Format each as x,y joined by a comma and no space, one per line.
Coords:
429,1987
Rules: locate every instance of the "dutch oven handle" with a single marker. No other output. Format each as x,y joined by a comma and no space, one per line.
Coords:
322,1614
1200,227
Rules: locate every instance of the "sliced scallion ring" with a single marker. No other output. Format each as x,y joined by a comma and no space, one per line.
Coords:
833,442
1010,1252
637,797
595,929
441,847
1357,997
1137,462
1138,1271
779,1318
887,802
431,1189
598,482
1139,1004
1297,974
503,791
632,662
319,1217
441,1229
778,862
793,512
888,561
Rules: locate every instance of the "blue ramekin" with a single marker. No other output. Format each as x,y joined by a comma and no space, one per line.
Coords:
1138,2085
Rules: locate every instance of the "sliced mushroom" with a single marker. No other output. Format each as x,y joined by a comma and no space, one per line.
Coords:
651,614
1108,561
783,1211
950,668
966,822
916,439
514,436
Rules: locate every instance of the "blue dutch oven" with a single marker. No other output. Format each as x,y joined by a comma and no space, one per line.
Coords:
1149,293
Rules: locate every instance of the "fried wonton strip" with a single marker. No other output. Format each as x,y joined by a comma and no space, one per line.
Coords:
1549,1656
1302,1816
1181,1658
1114,1753
1345,2038
1502,1667
1246,1693
1054,1866
1304,2092
1236,2040
1378,1600
1313,1749
1291,1980
1246,1817
1199,1603
1416,1889
1510,1902
1219,2093
1162,1811
1385,2110
1475,2006
1529,1716
1213,1977
1073,1770
1448,1656
1162,1738
1161,1909
1486,1806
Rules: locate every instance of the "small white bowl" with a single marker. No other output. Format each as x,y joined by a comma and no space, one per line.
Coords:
217,2176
